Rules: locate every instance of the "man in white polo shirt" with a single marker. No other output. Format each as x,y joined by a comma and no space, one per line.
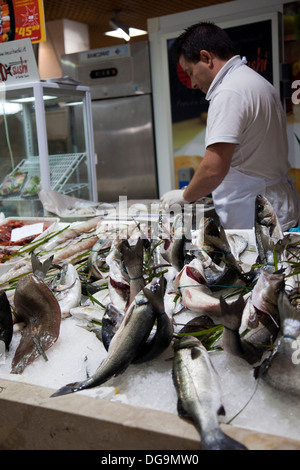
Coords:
246,140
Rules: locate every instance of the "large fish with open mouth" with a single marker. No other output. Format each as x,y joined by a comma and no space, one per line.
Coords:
129,339
194,290
197,386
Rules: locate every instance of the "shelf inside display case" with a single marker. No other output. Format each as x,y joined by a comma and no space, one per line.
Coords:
62,167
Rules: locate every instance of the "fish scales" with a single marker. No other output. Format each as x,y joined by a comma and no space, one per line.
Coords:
198,391
124,346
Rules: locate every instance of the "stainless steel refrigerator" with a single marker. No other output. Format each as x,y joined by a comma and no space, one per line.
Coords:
119,78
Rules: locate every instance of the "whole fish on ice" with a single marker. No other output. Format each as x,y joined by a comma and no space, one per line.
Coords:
38,308
197,386
66,287
124,346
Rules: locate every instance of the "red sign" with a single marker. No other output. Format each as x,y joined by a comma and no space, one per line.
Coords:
21,19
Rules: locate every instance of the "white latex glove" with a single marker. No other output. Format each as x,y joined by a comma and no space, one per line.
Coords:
173,197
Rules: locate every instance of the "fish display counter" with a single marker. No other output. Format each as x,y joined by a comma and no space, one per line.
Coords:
101,319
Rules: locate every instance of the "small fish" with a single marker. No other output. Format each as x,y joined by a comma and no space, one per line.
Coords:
231,317
66,287
281,370
6,320
38,308
181,228
265,293
118,280
197,387
123,348
268,232
96,259
111,322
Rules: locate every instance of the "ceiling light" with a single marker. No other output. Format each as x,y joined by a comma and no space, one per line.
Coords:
119,33
118,25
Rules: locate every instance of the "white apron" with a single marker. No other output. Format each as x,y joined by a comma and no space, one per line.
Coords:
234,198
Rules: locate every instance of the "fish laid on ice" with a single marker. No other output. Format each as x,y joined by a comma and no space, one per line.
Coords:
74,232
6,320
195,293
66,287
281,370
265,293
268,232
118,280
197,386
181,228
38,308
111,322
96,259
126,343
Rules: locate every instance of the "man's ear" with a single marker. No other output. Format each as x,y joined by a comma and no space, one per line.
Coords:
206,57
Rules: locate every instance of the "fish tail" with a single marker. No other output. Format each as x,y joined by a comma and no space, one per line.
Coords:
232,313
218,440
40,267
155,295
75,387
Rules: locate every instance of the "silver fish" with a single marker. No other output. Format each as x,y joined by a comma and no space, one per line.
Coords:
281,370
265,293
197,386
66,287
268,232
128,340
96,259
133,260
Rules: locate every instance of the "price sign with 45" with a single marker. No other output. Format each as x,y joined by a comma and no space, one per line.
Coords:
26,31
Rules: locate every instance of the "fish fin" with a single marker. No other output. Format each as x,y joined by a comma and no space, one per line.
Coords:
38,344
40,268
69,388
218,440
195,353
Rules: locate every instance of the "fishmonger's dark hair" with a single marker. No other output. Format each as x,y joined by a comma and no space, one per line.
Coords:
203,36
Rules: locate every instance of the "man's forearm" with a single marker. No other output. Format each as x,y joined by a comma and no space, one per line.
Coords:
210,172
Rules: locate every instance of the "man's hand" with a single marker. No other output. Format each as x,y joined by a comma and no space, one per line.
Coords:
173,197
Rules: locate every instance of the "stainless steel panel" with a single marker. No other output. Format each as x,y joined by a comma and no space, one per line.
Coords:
124,143
130,61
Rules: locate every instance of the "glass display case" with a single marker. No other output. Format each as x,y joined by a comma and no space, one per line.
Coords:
46,142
